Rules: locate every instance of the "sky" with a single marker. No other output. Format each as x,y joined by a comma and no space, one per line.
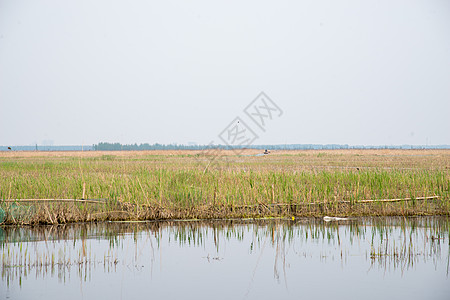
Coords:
343,72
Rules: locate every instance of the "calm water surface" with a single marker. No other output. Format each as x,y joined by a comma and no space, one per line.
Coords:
385,258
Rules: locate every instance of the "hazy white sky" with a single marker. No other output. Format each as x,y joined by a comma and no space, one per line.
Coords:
355,72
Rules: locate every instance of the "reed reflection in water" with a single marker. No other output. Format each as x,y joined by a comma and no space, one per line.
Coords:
370,258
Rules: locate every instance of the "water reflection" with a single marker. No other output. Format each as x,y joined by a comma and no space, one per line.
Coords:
239,252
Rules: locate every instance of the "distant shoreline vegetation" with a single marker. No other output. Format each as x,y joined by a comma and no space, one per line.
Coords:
136,147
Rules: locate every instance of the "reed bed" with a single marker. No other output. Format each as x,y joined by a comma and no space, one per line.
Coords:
62,187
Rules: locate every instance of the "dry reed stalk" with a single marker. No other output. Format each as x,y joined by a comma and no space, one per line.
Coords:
84,190
143,192
375,200
49,216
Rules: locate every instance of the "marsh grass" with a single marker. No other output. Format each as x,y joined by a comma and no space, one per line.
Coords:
144,186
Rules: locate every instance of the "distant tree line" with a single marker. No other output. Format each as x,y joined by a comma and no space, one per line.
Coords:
146,146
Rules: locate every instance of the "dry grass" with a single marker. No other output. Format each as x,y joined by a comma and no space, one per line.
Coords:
83,154
365,152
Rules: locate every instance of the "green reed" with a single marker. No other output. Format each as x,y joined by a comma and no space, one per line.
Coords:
183,187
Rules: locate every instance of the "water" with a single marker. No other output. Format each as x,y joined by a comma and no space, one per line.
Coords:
393,258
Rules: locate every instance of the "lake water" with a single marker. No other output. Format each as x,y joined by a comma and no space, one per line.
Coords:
376,258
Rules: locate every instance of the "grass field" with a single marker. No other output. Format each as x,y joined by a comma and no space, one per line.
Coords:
225,184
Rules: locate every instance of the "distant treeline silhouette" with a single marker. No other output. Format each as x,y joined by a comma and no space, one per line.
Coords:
146,146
